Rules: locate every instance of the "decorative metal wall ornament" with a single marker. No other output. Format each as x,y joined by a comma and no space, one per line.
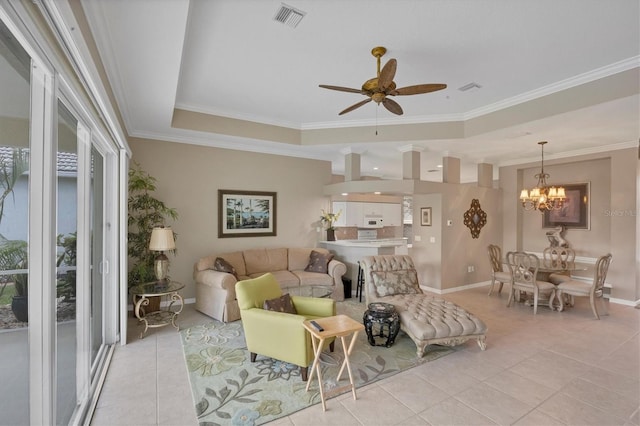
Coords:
475,218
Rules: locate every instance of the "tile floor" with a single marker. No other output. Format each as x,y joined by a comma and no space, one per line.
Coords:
555,368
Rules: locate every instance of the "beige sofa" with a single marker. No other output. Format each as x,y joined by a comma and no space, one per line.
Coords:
215,290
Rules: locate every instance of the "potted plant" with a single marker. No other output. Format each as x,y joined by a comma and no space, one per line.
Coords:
14,253
145,213
14,257
328,219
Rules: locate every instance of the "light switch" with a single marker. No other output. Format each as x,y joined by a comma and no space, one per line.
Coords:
417,238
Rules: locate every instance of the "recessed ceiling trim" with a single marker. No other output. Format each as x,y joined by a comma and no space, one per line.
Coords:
568,83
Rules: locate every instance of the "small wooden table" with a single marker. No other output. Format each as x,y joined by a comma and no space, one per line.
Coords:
340,326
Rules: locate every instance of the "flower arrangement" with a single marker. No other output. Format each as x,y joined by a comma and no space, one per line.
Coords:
328,219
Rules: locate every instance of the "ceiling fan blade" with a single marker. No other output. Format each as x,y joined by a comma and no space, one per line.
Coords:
386,75
340,89
354,106
392,106
418,89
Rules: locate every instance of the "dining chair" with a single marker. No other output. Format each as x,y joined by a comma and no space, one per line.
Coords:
524,269
498,274
559,258
593,290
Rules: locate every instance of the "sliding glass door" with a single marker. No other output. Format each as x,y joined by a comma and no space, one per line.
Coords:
15,86
56,243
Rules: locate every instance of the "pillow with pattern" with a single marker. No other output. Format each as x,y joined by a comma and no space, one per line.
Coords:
222,265
280,304
319,262
388,283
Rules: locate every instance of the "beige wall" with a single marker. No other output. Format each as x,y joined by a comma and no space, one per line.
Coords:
189,177
614,185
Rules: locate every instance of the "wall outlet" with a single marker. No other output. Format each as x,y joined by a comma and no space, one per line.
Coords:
471,268
417,238
432,239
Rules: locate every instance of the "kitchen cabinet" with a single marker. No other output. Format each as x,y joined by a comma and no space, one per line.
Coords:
353,213
392,214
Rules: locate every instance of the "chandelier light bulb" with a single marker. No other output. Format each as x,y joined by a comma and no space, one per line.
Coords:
543,197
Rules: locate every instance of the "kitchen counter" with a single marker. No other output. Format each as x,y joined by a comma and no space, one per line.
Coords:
350,252
383,242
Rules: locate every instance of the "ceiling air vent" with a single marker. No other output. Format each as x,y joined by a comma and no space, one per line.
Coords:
469,86
289,15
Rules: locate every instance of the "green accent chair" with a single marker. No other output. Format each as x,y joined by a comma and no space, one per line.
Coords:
279,335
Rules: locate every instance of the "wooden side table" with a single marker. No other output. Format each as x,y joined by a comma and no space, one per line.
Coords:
340,326
140,295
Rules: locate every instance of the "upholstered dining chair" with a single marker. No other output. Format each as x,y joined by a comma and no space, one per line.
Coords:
498,274
593,290
524,269
279,334
559,257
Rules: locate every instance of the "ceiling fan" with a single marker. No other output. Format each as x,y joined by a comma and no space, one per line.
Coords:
377,89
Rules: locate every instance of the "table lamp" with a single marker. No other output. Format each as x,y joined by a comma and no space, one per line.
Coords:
161,240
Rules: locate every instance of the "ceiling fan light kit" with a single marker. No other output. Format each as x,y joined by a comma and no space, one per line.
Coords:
378,89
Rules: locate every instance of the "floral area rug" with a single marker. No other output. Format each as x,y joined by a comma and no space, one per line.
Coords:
228,388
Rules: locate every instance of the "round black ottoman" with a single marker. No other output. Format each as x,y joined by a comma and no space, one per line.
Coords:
378,319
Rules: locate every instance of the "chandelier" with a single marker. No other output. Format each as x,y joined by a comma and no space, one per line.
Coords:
542,197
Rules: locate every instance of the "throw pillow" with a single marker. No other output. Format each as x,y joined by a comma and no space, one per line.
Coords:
319,262
280,304
388,283
222,265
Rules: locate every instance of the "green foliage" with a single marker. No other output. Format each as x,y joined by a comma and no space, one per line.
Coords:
14,256
145,213
9,174
66,281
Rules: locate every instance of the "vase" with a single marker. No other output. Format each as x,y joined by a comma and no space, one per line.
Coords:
20,308
331,234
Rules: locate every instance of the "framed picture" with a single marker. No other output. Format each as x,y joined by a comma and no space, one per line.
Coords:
574,212
425,216
246,214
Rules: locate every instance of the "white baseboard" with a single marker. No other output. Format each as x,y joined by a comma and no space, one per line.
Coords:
487,283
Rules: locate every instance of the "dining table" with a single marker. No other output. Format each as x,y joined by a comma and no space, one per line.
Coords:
544,271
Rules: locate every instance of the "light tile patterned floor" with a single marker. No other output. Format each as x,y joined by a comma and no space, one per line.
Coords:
555,368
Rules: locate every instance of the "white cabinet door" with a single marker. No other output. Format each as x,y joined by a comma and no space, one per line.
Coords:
372,209
340,206
351,213
392,214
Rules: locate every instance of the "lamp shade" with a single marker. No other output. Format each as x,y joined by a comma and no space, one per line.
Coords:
162,239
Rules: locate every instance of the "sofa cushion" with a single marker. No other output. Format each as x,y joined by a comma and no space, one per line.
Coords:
235,259
259,261
318,262
313,278
299,258
280,304
222,265
285,278
388,283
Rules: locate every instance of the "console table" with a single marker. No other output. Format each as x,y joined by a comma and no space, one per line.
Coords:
140,296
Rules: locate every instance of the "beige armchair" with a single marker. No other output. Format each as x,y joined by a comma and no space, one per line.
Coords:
593,290
498,274
524,269
559,257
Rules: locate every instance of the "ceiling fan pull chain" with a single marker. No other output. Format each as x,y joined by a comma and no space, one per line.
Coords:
377,106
